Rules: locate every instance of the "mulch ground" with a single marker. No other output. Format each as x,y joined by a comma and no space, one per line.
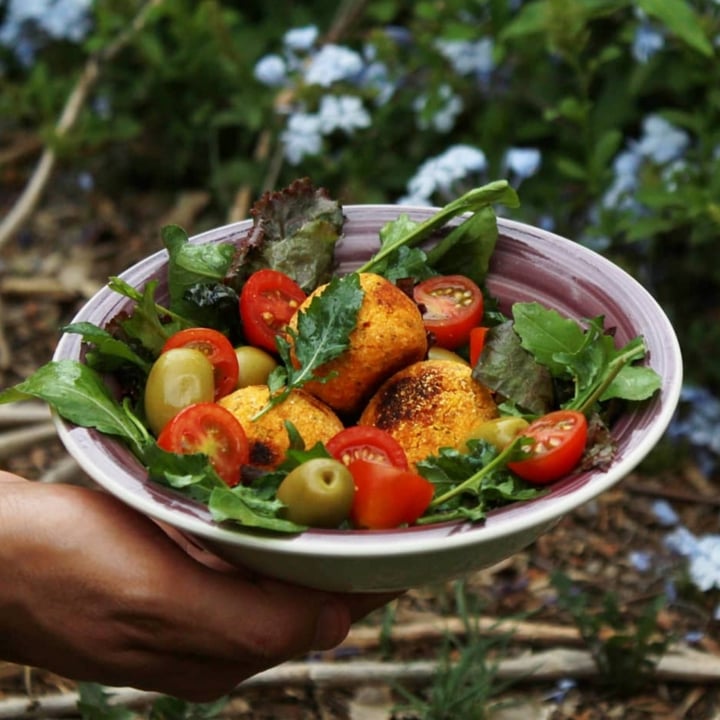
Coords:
73,244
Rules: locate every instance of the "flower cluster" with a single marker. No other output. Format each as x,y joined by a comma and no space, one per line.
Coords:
661,143
68,19
304,64
701,552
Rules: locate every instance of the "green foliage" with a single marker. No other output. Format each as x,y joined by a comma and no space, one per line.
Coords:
626,651
181,107
466,679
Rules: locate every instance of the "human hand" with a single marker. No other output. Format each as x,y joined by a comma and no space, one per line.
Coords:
94,591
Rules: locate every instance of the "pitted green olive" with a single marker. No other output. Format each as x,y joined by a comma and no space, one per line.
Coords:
255,365
179,377
499,432
318,493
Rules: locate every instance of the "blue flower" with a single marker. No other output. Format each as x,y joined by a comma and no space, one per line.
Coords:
441,172
697,421
661,141
627,167
469,58
647,41
703,554
664,513
301,137
300,39
333,63
59,19
271,70
641,561
522,162
376,77
343,112
443,120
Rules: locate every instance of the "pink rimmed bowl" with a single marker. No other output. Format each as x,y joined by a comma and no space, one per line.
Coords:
529,264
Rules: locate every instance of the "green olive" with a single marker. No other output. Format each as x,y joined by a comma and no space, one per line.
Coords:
255,365
318,493
499,432
439,353
178,378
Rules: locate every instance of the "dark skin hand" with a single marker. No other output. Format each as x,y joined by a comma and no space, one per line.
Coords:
94,591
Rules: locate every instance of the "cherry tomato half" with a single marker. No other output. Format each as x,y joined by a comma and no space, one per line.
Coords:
452,306
210,429
477,343
387,497
218,350
558,443
364,442
268,300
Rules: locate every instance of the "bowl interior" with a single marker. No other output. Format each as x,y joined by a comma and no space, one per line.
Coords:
529,264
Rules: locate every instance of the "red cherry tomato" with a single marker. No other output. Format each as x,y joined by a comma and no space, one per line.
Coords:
558,442
218,350
477,343
452,306
365,442
268,300
210,429
387,497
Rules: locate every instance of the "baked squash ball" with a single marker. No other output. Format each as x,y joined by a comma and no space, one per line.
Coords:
389,335
430,405
267,435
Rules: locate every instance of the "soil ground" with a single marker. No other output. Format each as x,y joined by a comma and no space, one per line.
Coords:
71,246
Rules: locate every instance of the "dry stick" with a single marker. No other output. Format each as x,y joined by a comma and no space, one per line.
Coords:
65,470
24,413
73,105
677,665
522,632
672,494
5,354
15,440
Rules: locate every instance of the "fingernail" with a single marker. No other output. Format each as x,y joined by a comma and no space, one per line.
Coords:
333,625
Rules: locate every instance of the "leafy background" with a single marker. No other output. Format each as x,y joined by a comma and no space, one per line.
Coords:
603,114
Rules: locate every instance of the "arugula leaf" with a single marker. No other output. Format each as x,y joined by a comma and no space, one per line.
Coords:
79,394
472,244
588,356
107,345
323,334
193,475
192,264
404,232
149,323
469,484
245,507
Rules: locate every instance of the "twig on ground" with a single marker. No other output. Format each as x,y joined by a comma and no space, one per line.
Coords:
672,494
13,441
30,196
522,632
680,664
65,470
5,354
24,413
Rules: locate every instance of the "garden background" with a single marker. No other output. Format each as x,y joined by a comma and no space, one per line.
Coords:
117,116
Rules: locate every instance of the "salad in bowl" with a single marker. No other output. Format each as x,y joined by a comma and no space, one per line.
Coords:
321,373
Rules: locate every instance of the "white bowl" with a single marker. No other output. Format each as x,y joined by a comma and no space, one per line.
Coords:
528,264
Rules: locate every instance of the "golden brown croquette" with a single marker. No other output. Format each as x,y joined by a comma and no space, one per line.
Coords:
388,336
429,405
268,436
